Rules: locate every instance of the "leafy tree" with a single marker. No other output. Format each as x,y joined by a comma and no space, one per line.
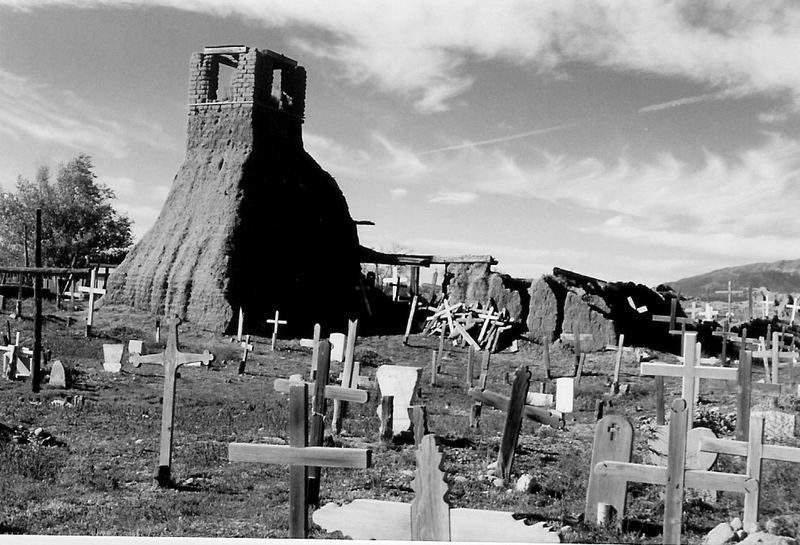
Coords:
79,224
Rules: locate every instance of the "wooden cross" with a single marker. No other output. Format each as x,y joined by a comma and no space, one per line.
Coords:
617,365
38,272
275,323
709,313
428,517
513,424
171,359
247,347
412,310
767,303
726,335
349,374
240,325
673,318
794,306
730,292
12,365
776,356
689,372
675,476
756,452
299,457
554,419
92,291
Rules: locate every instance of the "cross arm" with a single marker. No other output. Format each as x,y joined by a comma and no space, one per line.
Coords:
352,395
307,456
206,358
694,478
87,289
137,359
739,448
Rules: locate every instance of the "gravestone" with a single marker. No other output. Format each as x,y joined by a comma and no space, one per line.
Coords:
58,376
613,440
135,347
538,399
112,357
401,383
565,394
337,346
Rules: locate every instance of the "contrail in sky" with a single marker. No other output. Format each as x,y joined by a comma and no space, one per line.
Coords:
501,139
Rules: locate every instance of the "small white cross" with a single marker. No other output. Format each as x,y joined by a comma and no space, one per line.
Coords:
767,304
794,306
247,347
709,313
275,323
92,291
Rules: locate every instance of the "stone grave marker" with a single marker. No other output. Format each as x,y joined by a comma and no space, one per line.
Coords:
565,394
112,357
401,383
338,341
135,346
58,375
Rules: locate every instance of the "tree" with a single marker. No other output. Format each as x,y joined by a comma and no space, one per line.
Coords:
79,225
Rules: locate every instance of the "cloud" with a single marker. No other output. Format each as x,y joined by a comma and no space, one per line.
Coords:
32,111
454,197
526,134
685,101
398,192
424,50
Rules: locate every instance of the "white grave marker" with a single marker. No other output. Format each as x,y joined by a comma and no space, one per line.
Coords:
565,394
402,383
337,346
112,357
58,376
135,347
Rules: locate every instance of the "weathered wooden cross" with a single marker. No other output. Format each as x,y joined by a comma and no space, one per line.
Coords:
247,347
730,292
428,517
38,272
772,358
92,291
689,372
675,476
300,457
171,359
349,374
756,452
411,312
275,323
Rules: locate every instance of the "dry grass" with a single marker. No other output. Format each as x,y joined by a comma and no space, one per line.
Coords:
98,479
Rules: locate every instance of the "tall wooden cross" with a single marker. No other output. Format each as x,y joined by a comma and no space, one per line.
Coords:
730,292
349,374
428,517
171,359
92,291
689,372
38,272
275,323
300,457
756,452
675,476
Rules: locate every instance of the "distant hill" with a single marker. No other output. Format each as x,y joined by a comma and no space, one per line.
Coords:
779,276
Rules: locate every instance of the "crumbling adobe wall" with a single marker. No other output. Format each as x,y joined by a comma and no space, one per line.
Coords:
251,219
566,302
471,283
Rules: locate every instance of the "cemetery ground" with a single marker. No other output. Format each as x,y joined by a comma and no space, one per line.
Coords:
89,469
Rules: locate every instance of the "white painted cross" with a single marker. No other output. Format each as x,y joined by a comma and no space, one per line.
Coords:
709,313
240,325
794,306
767,303
689,372
92,291
275,323
694,310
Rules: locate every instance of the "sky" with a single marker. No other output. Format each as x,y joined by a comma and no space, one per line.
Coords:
631,140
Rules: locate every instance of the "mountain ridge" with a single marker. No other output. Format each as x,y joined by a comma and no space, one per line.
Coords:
781,276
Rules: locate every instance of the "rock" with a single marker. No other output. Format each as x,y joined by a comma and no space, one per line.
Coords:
491,465
736,524
740,534
585,313
545,309
138,441
784,525
525,483
38,431
498,482
722,533
763,538
460,479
